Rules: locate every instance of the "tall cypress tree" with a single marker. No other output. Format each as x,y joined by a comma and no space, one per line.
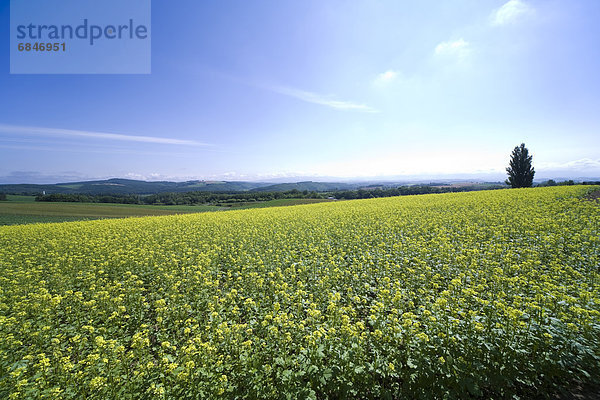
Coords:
520,171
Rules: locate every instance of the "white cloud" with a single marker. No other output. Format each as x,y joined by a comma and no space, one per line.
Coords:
582,164
316,98
386,77
510,12
32,130
457,48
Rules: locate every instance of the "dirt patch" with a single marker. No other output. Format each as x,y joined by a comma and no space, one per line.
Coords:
595,195
581,392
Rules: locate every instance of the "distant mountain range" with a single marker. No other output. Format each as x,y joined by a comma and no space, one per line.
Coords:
130,186
308,185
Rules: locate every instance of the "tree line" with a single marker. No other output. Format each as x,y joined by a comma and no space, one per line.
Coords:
185,198
407,190
225,199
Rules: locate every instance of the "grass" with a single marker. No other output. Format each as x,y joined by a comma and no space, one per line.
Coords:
20,210
19,219
71,186
19,198
25,210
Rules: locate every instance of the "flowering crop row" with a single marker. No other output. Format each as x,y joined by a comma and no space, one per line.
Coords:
481,294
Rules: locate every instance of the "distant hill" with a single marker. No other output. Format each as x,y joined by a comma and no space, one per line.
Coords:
308,185
129,186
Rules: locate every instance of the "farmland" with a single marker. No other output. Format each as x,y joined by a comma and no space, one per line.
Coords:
24,210
470,295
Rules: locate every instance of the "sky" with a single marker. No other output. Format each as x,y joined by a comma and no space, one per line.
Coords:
263,90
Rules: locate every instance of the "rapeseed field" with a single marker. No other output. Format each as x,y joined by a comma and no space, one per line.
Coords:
473,295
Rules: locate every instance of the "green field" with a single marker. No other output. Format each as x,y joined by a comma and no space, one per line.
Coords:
19,198
25,210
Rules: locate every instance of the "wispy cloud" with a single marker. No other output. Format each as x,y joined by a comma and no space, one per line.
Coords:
510,12
459,48
96,150
581,164
37,177
386,77
320,99
33,130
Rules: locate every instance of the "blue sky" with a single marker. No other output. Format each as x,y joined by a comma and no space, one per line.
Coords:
256,90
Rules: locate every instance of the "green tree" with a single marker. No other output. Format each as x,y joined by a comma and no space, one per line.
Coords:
2,196
520,171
